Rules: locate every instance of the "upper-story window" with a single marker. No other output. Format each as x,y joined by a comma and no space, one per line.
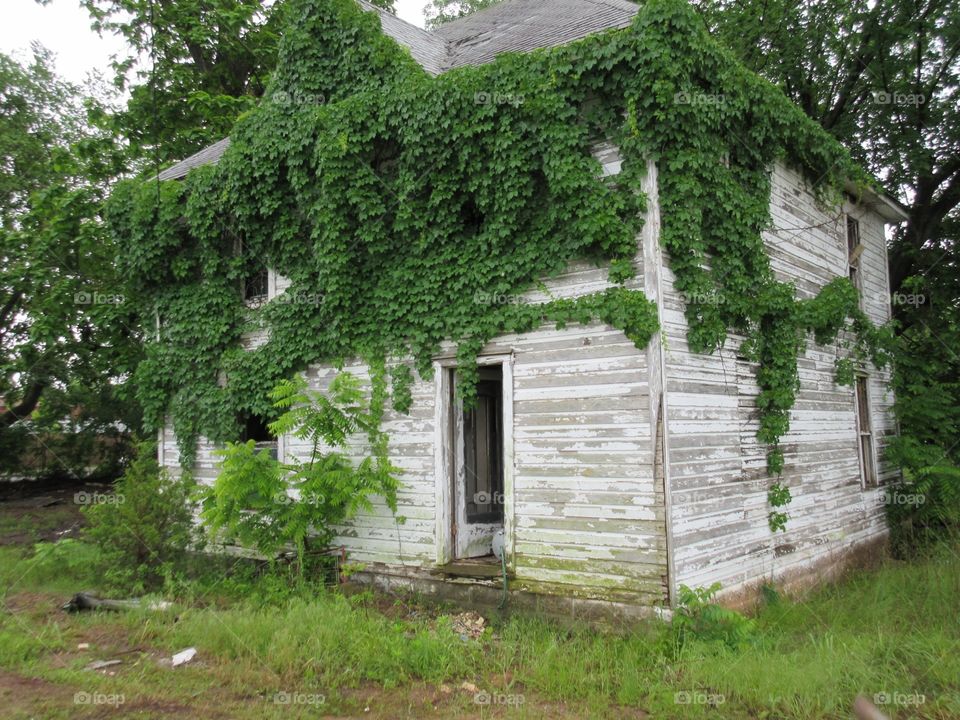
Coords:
854,251
255,428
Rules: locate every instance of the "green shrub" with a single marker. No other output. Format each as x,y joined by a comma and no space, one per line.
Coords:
67,565
145,529
269,505
923,507
698,617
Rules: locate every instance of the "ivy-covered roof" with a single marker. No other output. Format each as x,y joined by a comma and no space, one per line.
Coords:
509,26
427,48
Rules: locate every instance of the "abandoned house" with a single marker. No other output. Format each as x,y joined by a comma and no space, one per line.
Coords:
613,474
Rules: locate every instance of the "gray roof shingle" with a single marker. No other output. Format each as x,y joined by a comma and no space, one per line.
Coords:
428,49
207,156
524,25
509,26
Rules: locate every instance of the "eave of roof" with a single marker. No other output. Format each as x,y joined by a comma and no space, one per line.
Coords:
887,207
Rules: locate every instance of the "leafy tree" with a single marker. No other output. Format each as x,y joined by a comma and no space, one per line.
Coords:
192,67
440,11
64,328
927,386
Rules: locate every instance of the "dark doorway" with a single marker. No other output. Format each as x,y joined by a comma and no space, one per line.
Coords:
483,449
478,488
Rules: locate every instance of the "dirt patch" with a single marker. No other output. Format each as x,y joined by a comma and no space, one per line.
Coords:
459,700
31,513
32,604
23,697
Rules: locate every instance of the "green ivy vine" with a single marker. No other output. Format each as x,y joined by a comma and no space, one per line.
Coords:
392,199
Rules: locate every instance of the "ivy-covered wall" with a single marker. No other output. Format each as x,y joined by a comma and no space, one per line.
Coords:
399,198
718,468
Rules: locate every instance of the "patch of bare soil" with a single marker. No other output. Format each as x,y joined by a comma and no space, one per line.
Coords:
31,512
26,697
458,700
33,698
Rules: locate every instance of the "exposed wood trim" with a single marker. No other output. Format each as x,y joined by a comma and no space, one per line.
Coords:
656,364
443,464
885,206
486,568
271,283
509,524
441,461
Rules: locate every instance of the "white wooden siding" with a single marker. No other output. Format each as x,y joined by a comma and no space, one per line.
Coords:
717,466
590,514
589,517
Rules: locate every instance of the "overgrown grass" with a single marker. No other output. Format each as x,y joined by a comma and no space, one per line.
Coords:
893,631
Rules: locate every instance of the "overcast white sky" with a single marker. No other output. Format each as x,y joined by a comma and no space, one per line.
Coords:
62,26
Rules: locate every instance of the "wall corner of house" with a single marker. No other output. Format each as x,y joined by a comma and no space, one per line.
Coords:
656,361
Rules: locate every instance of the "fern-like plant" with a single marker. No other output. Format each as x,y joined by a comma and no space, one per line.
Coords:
269,504
699,617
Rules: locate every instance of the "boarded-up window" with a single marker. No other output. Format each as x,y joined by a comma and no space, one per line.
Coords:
868,473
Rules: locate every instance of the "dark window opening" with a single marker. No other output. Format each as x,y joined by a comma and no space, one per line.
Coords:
254,428
853,254
483,449
867,468
255,286
853,234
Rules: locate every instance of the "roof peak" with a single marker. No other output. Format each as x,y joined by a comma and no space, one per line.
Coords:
506,26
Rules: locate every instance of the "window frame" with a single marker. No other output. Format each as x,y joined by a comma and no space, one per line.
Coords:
854,245
272,445
259,298
869,477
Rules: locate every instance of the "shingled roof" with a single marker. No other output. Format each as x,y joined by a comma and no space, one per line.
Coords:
509,26
524,25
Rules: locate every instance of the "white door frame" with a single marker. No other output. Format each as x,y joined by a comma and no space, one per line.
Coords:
444,462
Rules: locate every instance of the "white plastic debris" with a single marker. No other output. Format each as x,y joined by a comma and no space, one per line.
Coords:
182,657
101,664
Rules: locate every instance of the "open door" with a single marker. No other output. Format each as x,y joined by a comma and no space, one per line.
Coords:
478,468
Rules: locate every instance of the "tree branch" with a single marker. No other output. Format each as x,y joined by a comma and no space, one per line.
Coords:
26,405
